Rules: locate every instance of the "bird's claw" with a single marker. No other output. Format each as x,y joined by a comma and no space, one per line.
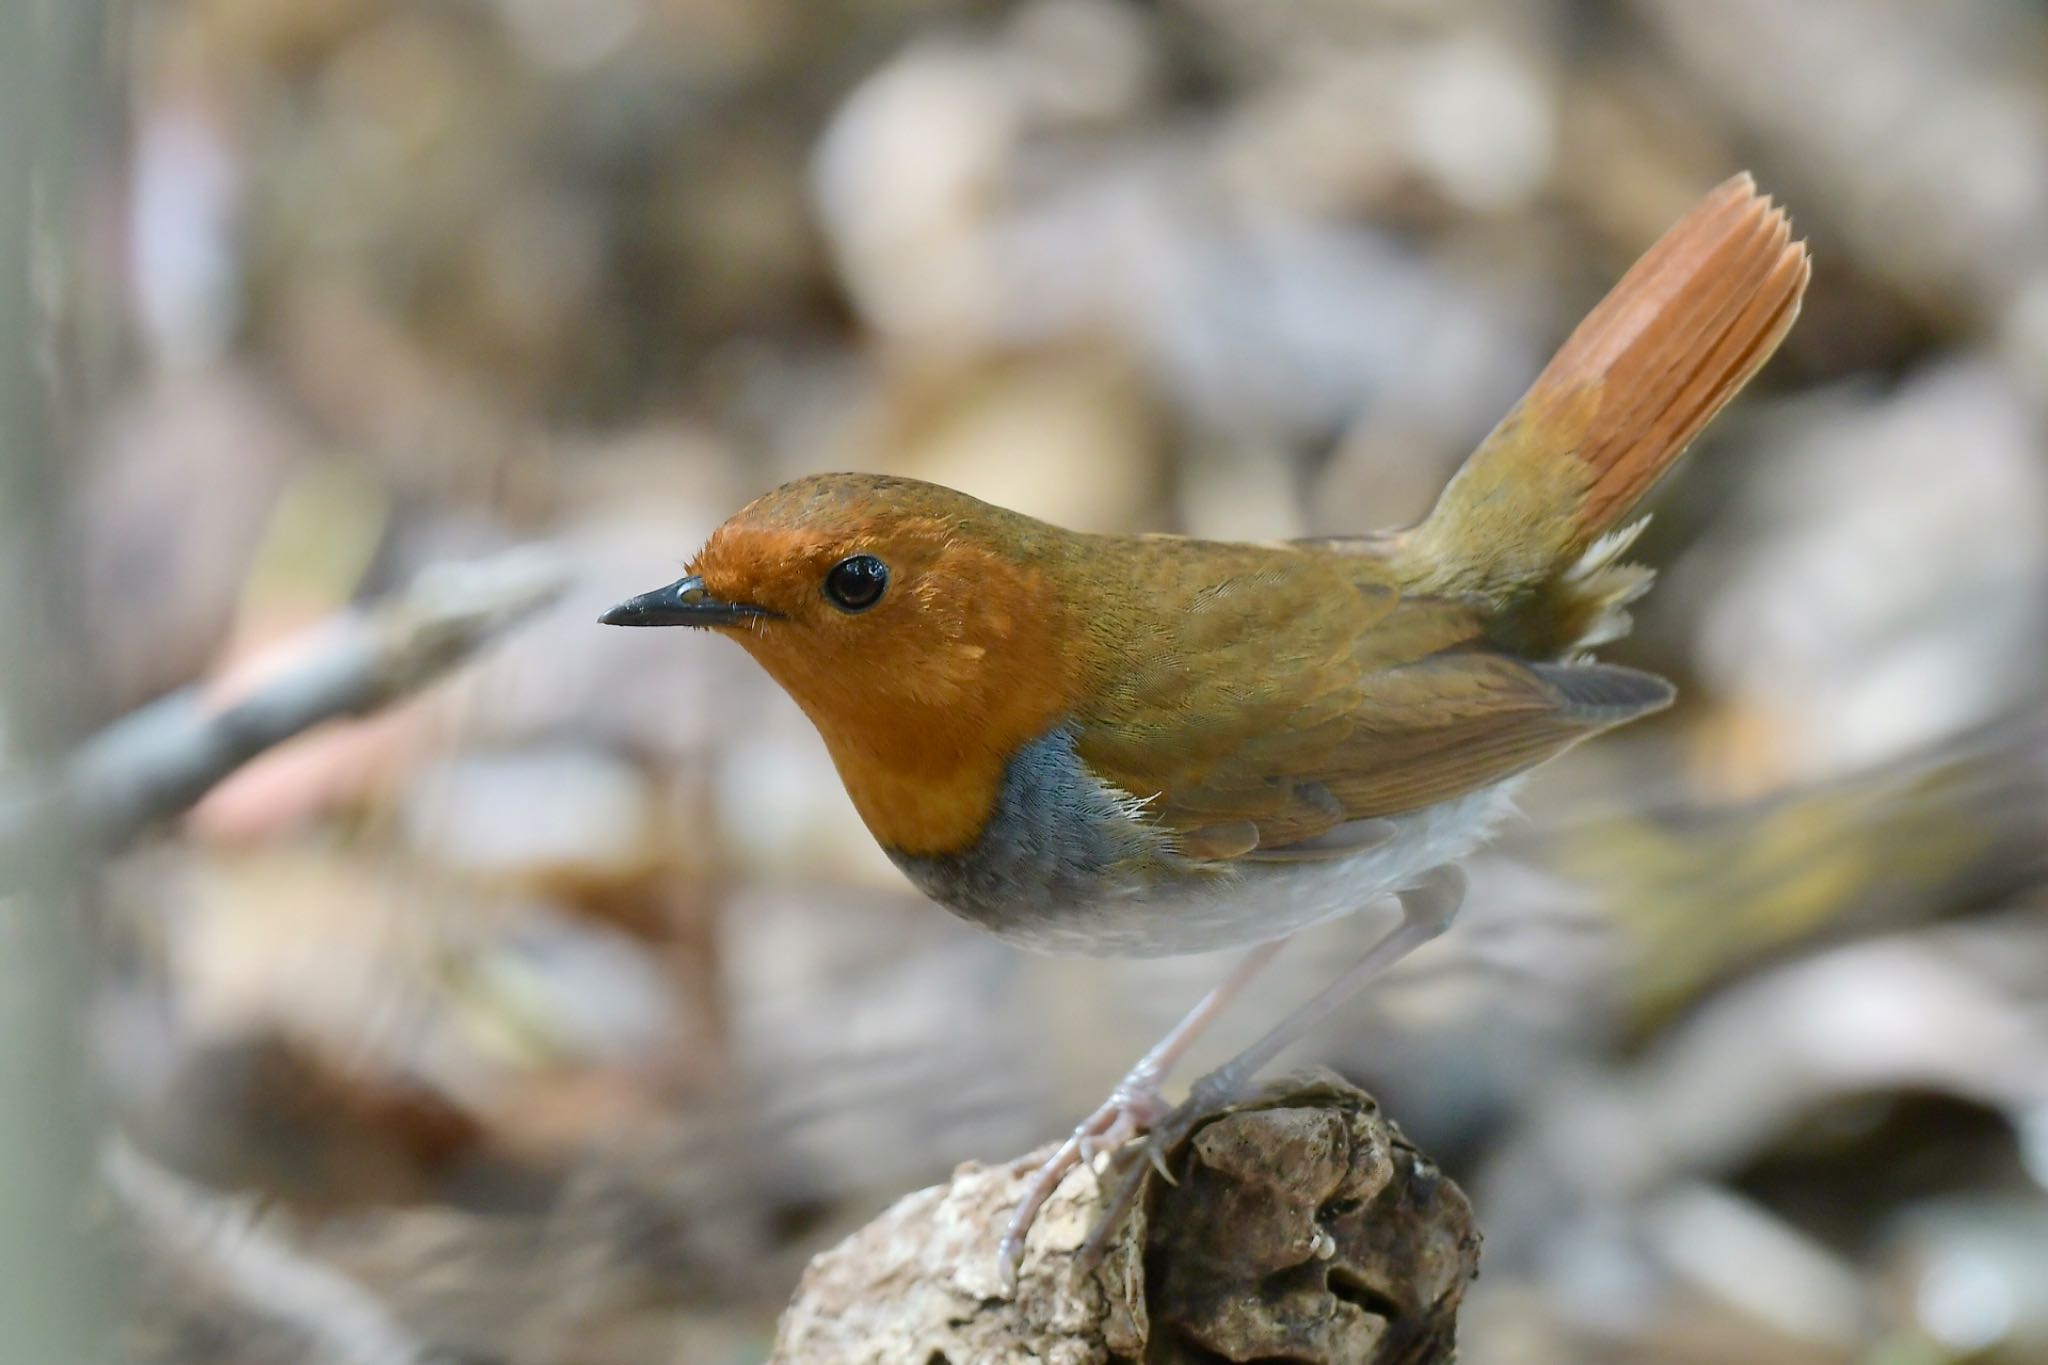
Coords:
1131,1110
1171,1129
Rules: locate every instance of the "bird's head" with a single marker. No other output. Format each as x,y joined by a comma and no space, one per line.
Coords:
925,633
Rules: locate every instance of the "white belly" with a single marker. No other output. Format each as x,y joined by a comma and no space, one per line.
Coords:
1256,902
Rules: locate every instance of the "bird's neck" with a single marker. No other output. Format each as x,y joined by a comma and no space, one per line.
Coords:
922,815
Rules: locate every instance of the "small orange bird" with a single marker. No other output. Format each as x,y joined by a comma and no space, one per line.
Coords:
1147,745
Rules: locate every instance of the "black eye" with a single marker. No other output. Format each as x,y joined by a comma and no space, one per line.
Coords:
856,583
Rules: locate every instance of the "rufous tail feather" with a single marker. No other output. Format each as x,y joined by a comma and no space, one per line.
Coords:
1522,523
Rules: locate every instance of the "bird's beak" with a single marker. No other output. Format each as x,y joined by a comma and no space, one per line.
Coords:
682,603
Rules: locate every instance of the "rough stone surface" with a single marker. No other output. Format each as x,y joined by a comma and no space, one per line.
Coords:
1304,1228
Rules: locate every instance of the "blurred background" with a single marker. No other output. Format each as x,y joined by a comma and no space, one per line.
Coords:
561,1010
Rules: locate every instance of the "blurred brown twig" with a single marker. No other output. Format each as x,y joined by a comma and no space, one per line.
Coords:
251,1258
157,761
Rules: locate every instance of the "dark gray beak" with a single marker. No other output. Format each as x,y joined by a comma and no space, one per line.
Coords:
682,603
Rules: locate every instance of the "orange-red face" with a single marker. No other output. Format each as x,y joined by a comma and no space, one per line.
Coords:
923,632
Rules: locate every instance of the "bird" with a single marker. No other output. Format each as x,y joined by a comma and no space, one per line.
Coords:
1143,745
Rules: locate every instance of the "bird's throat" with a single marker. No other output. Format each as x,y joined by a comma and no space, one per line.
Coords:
927,779
922,815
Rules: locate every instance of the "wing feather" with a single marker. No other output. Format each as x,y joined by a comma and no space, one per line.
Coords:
1296,701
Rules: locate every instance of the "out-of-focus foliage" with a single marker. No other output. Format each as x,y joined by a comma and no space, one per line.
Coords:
566,1008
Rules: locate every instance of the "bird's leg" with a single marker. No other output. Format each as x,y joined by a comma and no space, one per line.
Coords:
1132,1107
1426,911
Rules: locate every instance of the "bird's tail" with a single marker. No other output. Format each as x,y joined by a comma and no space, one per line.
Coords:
1534,521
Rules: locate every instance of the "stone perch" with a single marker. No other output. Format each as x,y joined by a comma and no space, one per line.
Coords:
1304,1228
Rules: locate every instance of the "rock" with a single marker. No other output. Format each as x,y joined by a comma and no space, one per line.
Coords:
1304,1227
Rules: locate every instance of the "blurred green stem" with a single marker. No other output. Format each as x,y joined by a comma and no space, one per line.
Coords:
53,1288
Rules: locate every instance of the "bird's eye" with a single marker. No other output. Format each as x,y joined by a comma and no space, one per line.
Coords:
856,583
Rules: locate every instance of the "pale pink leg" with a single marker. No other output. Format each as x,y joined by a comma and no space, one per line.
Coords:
1426,911
1132,1107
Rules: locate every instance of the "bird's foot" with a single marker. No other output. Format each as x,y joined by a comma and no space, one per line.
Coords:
1131,1110
1208,1095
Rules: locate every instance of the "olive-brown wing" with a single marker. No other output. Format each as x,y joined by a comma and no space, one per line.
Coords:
1290,704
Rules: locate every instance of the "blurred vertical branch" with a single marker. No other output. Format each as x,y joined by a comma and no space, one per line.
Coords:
52,72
